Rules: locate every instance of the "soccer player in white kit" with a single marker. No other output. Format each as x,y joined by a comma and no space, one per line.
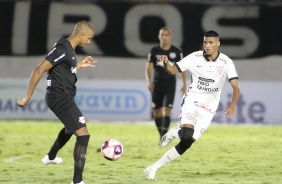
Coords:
209,69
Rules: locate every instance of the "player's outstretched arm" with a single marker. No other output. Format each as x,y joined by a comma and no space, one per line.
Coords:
230,110
172,69
86,62
33,81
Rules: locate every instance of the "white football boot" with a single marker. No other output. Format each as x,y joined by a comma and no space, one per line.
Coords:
45,160
149,173
78,183
169,136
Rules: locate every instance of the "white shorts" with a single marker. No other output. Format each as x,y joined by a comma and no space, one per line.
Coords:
197,111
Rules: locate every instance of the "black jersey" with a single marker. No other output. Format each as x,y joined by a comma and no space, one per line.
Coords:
174,55
61,78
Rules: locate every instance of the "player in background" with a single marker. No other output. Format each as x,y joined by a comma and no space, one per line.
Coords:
209,69
61,66
162,85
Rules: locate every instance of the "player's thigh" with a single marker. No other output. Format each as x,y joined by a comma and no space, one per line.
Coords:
202,121
157,98
169,96
188,112
72,118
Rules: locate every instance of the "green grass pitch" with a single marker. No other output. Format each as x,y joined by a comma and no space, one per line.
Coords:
225,154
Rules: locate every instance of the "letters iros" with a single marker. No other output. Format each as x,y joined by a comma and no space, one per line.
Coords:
126,35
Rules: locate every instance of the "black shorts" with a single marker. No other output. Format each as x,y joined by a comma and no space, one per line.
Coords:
68,112
163,96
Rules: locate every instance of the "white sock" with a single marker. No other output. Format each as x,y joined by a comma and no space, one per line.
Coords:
174,132
169,156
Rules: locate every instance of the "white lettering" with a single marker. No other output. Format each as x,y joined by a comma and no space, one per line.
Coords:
57,28
60,57
248,36
168,13
20,28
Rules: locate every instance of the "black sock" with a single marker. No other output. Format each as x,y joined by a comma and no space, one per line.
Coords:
159,122
61,140
79,155
165,125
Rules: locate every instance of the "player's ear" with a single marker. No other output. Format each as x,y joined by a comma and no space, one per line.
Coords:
218,43
81,34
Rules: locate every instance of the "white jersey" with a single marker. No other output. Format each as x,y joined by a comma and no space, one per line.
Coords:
208,77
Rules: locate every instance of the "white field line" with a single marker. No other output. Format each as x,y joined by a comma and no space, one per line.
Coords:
14,160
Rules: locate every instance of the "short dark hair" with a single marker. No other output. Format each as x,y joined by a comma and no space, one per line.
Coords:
211,33
167,29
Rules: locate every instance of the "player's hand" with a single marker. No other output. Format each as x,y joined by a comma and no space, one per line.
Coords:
86,62
22,102
162,58
183,89
151,86
230,111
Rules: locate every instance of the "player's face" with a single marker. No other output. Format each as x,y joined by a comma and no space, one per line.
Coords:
164,36
86,38
211,45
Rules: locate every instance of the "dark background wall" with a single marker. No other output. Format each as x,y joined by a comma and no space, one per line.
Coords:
130,28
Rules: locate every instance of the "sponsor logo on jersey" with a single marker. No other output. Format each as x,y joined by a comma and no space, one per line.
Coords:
172,55
48,83
73,69
199,55
189,116
207,89
159,63
223,60
219,69
204,85
60,57
206,80
81,120
203,106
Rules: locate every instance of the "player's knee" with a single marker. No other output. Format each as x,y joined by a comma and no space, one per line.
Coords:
186,134
83,140
186,137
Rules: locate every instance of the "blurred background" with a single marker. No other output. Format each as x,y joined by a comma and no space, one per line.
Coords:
125,31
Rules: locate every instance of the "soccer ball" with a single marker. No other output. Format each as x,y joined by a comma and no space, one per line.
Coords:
112,149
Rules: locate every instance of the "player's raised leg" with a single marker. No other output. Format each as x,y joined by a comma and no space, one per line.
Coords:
170,135
51,157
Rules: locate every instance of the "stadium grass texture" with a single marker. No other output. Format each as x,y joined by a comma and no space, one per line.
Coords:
225,154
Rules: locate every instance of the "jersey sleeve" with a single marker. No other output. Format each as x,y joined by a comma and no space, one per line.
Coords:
57,55
152,56
231,71
185,63
180,54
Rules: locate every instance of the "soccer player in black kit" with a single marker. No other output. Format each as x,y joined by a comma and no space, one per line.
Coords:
163,85
61,66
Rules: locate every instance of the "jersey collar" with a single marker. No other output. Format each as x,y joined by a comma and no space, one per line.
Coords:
207,59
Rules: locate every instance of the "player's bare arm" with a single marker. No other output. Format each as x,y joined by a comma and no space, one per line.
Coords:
172,69
230,110
35,77
148,72
86,62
